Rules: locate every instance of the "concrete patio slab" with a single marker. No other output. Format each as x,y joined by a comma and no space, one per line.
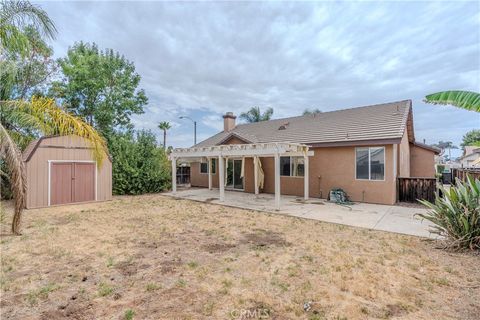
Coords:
364,215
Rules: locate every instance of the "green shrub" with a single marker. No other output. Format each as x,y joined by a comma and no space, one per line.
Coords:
456,214
139,165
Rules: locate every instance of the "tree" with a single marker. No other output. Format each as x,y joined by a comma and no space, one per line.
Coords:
34,69
444,145
47,118
15,38
308,112
471,138
164,125
462,99
99,86
254,115
14,17
140,166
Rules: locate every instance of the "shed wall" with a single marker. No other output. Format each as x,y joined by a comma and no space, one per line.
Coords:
62,148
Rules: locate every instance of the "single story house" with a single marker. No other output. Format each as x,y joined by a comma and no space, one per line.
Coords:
361,150
470,157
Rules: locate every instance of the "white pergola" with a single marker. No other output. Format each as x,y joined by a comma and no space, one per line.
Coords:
255,150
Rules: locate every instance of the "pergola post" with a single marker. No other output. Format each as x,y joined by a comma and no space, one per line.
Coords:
255,173
221,178
277,181
174,175
306,174
209,163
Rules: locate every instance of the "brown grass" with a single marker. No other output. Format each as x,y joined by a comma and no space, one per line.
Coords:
154,257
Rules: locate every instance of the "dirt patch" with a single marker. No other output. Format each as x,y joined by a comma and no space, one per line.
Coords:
265,238
218,247
170,266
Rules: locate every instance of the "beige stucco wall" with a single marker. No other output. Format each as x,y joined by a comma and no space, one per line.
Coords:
332,167
62,148
404,156
422,162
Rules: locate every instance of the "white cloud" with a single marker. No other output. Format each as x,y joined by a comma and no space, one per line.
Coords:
203,59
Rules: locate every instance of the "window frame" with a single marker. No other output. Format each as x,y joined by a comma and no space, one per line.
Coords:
213,167
291,168
370,164
200,164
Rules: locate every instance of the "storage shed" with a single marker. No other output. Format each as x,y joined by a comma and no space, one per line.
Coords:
62,170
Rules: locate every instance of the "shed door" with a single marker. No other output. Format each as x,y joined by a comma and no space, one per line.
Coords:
72,182
83,182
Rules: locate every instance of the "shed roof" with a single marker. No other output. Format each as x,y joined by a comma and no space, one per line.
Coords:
380,122
32,147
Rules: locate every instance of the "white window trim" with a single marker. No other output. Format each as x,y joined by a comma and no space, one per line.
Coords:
74,161
291,171
369,164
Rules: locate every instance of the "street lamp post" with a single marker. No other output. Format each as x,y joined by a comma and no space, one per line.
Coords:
194,128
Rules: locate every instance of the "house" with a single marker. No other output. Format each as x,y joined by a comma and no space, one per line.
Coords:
361,150
62,170
470,158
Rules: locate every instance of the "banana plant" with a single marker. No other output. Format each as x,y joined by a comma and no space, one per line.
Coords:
467,100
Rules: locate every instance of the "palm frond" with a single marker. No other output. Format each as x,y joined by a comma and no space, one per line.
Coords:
47,117
462,99
22,13
13,158
14,17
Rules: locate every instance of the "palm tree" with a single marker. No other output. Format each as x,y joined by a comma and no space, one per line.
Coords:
254,115
444,145
14,17
462,99
46,117
164,125
308,112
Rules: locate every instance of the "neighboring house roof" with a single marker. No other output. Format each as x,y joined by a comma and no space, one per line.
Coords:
427,147
381,122
32,147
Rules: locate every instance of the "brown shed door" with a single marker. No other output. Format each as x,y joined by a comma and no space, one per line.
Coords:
72,182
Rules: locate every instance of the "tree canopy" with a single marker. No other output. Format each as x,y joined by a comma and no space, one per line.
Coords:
471,138
255,115
307,111
99,86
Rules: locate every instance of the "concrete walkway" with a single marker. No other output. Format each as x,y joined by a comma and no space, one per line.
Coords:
371,216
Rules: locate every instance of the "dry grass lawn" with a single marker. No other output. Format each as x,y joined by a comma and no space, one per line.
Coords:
153,257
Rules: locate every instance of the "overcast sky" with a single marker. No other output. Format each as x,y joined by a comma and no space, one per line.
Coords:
203,59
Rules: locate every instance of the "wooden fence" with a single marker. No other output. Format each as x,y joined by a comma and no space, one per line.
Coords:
462,174
413,189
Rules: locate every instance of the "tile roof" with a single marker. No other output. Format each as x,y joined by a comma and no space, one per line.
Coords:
375,122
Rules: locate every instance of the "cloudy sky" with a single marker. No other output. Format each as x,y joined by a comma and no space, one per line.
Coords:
203,59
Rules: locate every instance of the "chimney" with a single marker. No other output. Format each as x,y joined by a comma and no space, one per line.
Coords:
228,121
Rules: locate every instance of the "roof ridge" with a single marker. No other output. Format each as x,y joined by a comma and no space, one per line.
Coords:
331,111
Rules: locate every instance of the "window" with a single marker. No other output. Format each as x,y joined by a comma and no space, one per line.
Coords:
292,166
204,166
214,166
370,163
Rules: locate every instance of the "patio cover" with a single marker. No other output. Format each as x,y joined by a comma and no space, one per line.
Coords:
255,150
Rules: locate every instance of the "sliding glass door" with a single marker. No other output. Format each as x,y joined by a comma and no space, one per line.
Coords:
233,172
